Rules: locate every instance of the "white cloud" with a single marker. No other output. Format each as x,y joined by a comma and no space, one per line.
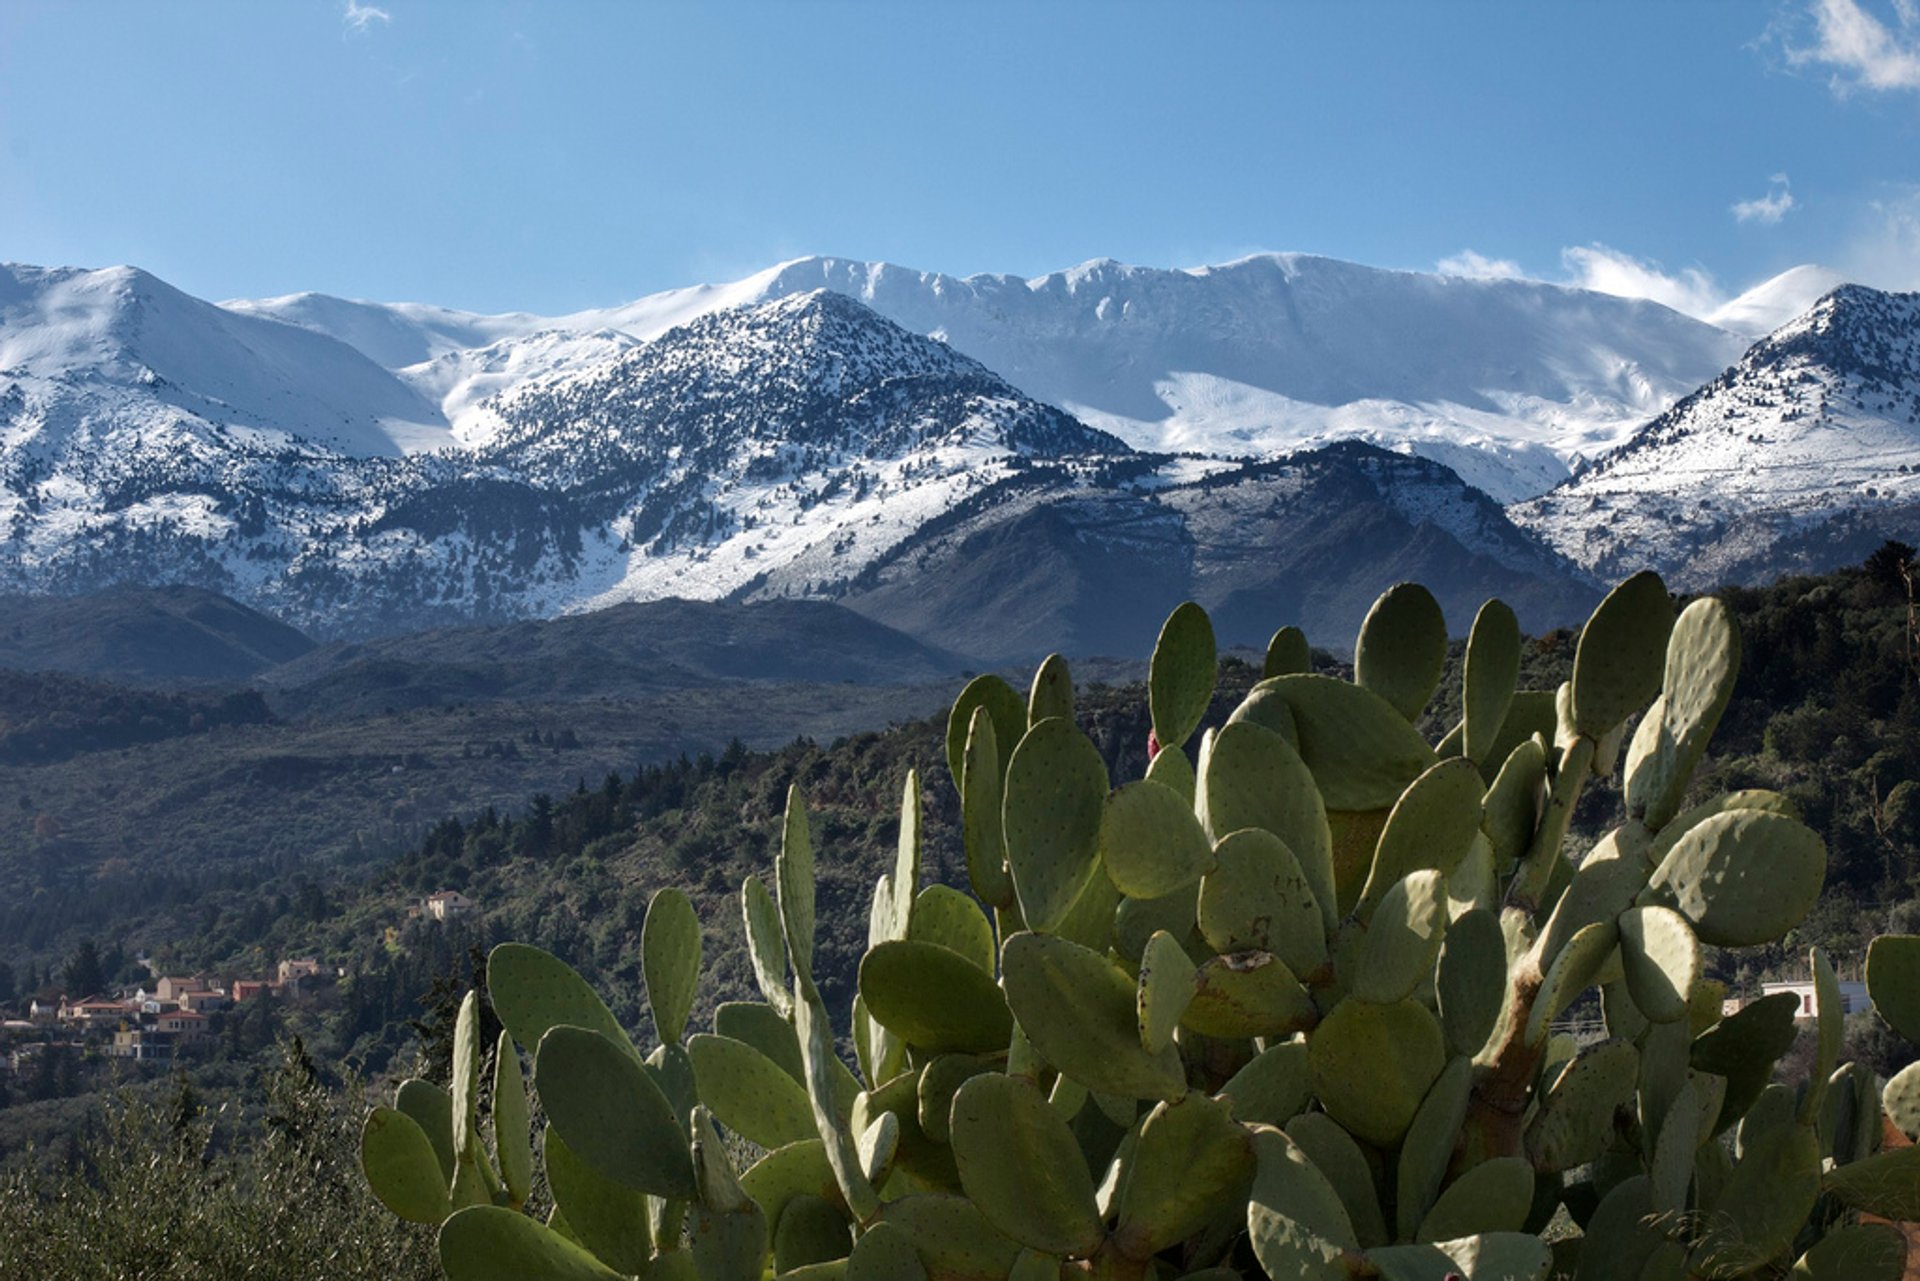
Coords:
1864,51
1474,266
1609,271
1770,208
1885,252
359,17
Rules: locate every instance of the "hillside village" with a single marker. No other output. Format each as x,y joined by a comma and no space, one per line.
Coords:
48,1036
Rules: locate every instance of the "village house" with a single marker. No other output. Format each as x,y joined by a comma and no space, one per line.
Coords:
300,968
1853,996
446,905
184,1026
143,1044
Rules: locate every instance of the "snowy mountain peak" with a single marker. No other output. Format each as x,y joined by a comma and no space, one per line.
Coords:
1804,452
1776,301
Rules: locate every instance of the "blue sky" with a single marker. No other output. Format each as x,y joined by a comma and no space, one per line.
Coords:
553,156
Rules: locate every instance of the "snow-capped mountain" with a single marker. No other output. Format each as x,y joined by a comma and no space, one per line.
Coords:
1508,382
1803,454
92,353
800,447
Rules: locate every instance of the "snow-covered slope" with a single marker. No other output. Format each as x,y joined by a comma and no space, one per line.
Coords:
1773,302
1803,454
1508,382
92,352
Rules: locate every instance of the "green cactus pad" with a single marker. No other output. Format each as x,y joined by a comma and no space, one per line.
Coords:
465,1086
1492,1256
1670,1172
1893,981
1887,1184
1403,940
1136,920
934,997
885,1252
1621,1227
1603,887
1020,1164
1258,898
1150,842
402,1168
1762,1207
727,1231
1166,988
893,898
1575,1119
1089,922
1901,1099
1248,994
1274,1086
1427,1148
766,943
1171,769
672,1071
491,1243
982,794
1192,1165
1362,752
1662,960
785,1173
1531,715
1860,1252
762,1027
944,915
939,1081
1703,663
1051,693
512,1137
1472,981
1622,654
1752,798
793,874
432,1110
1490,672
1743,877
1372,1065
605,1217
750,1093
1572,971
1252,778
1493,1196
1079,1010
1335,1154
1056,791
954,1240
1181,676
1743,1048
810,1230
1830,1032
1514,804
1295,1219
1007,709
1402,649
1032,1265
878,1145
1288,654
608,1109
533,991
1432,824
1851,1120
670,960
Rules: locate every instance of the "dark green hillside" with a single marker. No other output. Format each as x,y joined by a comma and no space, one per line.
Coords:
158,635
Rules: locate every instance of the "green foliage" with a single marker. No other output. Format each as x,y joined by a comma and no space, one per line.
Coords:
1344,933
163,1189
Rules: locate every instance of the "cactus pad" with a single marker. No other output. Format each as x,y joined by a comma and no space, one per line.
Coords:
1488,678
1744,876
1893,981
1056,791
1080,1011
490,1243
1180,680
1372,1065
1257,897
402,1168
1402,648
670,960
1621,657
1020,1164
1288,654
1150,842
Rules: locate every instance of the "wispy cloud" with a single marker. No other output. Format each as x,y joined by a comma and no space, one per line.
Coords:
1477,266
361,17
1769,209
1885,251
1863,51
1610,271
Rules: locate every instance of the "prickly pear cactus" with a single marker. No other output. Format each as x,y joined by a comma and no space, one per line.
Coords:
1286,1006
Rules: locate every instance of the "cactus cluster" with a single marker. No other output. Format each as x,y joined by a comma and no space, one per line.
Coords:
1285,1005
